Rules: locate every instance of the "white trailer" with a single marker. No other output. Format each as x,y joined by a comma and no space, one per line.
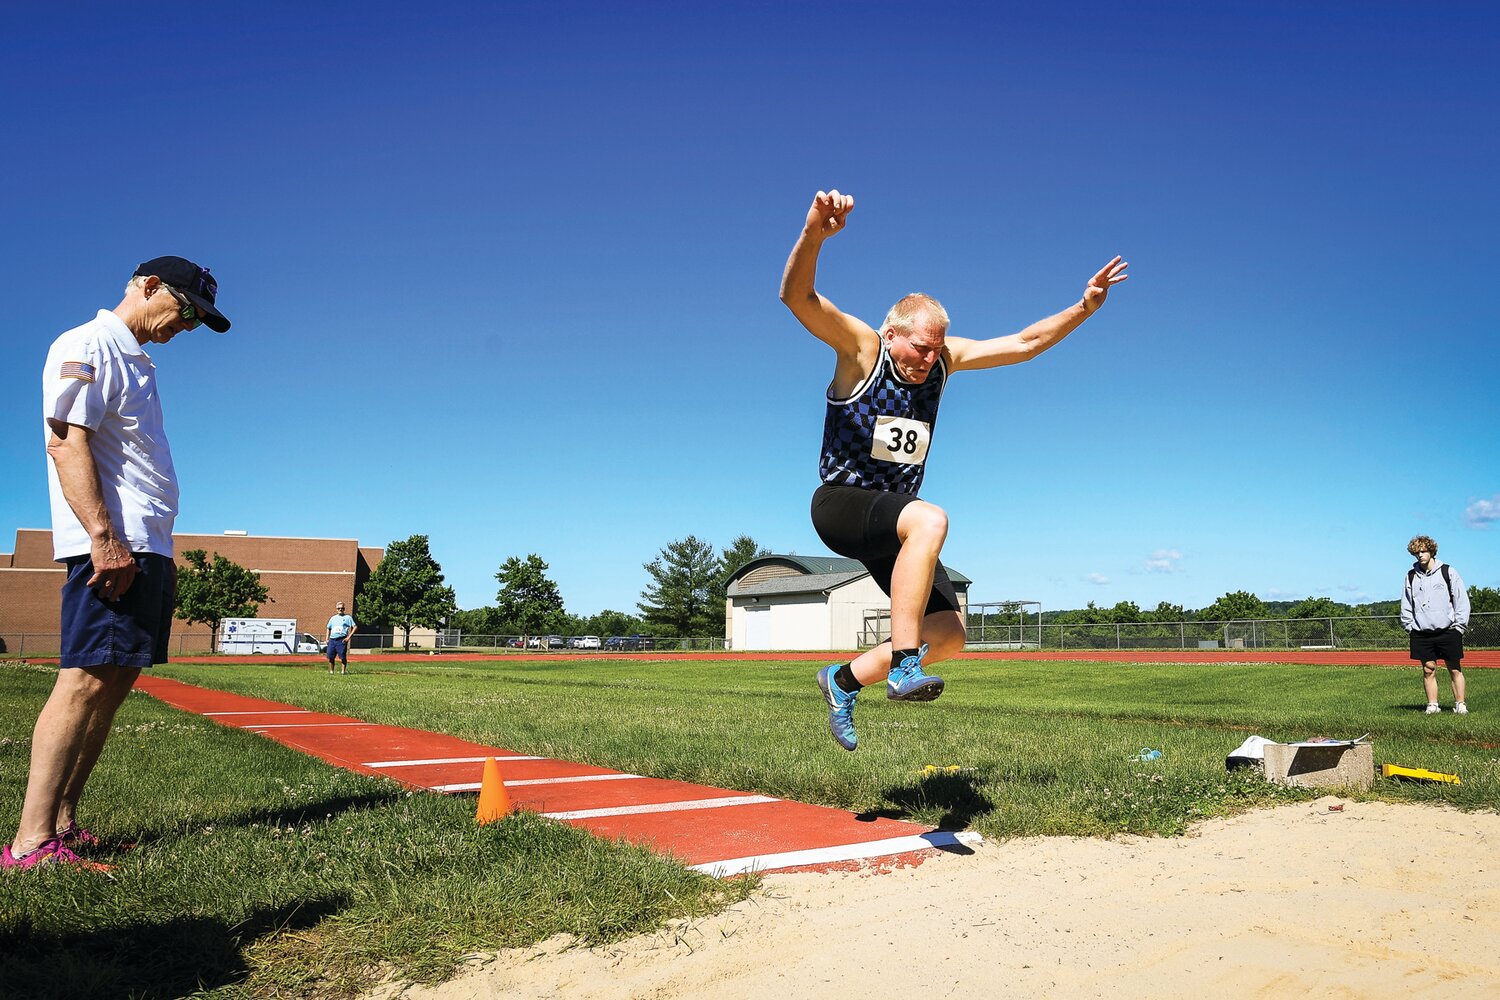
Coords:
265,635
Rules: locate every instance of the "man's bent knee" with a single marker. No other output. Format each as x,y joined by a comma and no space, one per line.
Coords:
923,520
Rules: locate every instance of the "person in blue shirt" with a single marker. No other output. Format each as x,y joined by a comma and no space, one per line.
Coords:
341,629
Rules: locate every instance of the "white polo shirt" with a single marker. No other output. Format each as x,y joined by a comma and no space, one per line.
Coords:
98,377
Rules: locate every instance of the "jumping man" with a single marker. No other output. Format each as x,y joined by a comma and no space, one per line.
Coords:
882,407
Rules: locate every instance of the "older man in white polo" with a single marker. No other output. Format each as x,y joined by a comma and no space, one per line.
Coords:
114,498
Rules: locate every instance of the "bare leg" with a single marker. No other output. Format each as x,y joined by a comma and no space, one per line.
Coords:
95,734
943,631
1429,681
922,528
57,744
1457,677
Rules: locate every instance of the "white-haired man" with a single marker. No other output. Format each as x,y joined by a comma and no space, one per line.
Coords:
882,407
114,498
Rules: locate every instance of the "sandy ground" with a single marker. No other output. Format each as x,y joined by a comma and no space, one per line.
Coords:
1367,900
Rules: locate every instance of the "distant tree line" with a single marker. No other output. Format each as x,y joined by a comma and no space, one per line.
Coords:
684,597
1238,605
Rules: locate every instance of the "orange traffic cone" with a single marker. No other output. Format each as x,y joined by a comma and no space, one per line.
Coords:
494,801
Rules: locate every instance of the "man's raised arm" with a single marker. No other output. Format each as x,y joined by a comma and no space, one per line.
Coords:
1044,333
844,333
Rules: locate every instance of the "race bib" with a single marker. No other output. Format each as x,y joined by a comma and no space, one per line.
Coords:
899,439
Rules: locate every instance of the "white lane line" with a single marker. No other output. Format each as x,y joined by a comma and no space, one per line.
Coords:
304,725
289,711
661,807
473,786
441,760
839,852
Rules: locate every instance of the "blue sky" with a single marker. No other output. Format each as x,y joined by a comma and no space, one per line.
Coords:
505,274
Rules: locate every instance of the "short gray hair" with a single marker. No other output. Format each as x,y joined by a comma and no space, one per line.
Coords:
905,312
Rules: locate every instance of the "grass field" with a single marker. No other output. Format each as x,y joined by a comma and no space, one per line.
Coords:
260,872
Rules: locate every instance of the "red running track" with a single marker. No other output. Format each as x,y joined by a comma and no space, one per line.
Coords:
713,830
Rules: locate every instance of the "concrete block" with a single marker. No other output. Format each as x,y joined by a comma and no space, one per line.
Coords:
1321,767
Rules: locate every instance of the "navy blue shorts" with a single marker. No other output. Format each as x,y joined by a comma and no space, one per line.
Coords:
133,631
338,648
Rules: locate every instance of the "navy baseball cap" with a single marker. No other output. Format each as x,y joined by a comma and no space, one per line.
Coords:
191,280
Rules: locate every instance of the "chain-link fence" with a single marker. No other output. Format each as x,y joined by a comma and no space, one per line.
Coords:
448,641
50,643
1365,632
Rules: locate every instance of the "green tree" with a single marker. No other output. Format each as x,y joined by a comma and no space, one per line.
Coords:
1239,605
528,602
406,590
1317,607
679,600
478,621
1484,599
1165,612
607,623
742,550
208,592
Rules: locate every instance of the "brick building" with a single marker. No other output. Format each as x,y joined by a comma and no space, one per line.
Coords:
306,577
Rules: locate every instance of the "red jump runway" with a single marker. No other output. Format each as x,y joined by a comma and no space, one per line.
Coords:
713,830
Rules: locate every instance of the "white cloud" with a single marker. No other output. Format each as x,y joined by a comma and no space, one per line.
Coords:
1348,588
1278,595
1098,578
1483,512
1164,561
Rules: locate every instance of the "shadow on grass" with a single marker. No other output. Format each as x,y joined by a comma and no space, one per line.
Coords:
957,795
181,957
290,815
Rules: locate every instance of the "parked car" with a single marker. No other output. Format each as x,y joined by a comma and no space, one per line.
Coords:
629,642
556,642
587,642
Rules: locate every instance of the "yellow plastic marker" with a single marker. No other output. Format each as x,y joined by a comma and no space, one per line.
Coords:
1397,771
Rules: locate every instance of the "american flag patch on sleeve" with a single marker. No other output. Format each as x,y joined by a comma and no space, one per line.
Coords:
77,369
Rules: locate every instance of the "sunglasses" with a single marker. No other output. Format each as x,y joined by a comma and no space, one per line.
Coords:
188,312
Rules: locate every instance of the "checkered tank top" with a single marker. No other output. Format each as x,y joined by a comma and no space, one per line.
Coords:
878,437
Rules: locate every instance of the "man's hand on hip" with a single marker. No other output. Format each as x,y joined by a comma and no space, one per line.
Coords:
114,567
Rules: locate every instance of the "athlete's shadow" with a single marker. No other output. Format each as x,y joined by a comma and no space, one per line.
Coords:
956,793
175,958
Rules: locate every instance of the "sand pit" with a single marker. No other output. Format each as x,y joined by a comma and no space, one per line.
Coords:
1367,900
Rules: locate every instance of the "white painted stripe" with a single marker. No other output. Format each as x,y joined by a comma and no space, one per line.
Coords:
289,711
441,760
472,786
662,807
840,852
305,725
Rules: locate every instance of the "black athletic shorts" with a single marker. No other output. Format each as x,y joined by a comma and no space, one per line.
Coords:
1428,645
861,524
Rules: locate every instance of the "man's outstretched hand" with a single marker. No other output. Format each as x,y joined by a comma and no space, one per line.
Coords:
1109,275
826,217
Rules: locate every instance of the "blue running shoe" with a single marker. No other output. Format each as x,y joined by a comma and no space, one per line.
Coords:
907,682
840,707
